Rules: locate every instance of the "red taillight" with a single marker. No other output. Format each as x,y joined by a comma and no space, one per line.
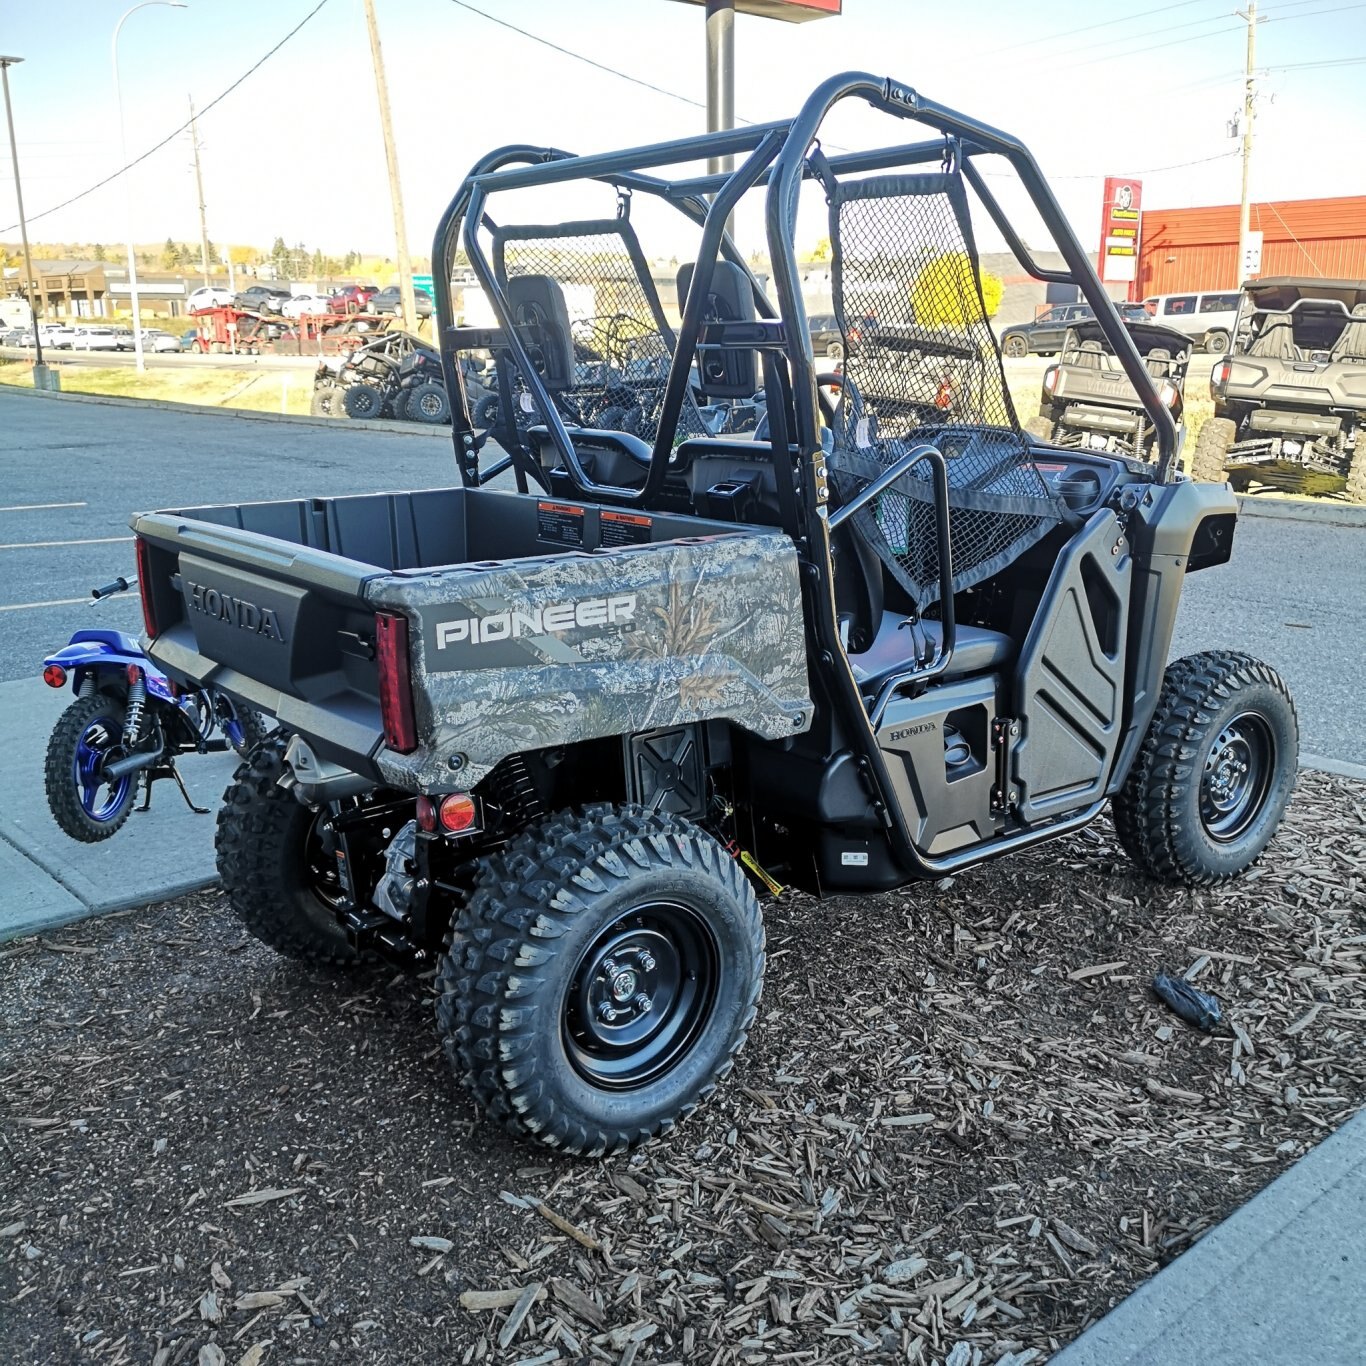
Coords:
426,814
134,674
149,613
54,676
1050,379
458,812
1219,377
395,682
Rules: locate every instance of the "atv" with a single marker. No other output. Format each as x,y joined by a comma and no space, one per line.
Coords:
1290,397
555,731
1090,404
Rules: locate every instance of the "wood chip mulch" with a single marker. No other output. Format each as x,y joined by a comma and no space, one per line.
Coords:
962,1130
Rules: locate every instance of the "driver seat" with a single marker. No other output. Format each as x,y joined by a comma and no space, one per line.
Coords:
882,642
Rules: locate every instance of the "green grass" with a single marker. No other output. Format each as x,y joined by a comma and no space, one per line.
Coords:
260,391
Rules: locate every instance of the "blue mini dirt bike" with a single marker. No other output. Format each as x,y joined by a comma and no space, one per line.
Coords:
127,724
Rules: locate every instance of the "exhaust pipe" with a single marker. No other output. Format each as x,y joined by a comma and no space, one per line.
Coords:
131,763
314,781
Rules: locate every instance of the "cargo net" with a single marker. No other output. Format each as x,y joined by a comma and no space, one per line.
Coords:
925,369
621,354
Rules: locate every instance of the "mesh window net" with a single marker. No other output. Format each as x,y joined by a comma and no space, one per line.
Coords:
924,369
622,344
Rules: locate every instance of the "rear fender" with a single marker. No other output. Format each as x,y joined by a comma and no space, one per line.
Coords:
108,653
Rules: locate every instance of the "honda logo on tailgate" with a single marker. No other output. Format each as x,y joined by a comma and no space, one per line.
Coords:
261,621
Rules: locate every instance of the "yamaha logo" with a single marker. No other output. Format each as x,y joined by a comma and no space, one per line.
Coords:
261,621
536,621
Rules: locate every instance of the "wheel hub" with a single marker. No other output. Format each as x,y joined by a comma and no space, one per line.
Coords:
639,996
1237,776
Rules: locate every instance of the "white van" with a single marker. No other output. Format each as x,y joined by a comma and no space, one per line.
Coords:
1207,319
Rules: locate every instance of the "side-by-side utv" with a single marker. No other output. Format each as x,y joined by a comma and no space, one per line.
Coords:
1089,403
1290,397
559,737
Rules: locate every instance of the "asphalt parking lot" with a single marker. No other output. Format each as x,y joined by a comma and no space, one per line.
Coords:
1292,593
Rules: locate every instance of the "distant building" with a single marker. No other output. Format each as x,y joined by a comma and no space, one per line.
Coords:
1193,249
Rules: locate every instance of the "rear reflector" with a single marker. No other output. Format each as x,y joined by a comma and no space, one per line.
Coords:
149,614
54,676
426,814
458,812
395,682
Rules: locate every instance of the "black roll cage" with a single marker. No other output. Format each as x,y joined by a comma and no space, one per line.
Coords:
776,157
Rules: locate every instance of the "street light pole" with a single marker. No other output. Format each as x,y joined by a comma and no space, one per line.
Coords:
128,184
720,75
39,369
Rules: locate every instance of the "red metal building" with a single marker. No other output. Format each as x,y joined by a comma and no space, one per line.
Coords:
1183,249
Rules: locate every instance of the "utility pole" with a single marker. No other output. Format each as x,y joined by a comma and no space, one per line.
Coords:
1249,113
35,306
405,267
720,76
199,191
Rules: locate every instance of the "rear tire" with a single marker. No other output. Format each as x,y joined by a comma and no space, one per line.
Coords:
1041,427
89,727
835,351
1215,771
362,402
601,978
486,411
427,402
320,405
1216,343
1356,472
273,870
1210,461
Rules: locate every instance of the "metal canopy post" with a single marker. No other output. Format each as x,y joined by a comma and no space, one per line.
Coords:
720,76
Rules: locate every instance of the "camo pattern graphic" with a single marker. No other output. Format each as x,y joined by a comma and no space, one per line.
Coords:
527,654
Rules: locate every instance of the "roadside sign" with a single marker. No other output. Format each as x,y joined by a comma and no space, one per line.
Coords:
790,11
423,282
1119,230
1252,255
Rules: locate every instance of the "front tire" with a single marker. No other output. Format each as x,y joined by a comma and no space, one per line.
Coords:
280,882
362,401
86,807
1014,346
1216,343
427,403
601,978
1209,463
1215,772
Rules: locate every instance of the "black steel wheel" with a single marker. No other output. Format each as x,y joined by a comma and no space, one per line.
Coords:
1214,773
280,880
601,978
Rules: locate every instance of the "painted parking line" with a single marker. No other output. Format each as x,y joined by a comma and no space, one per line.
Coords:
40,507
51,602
44,545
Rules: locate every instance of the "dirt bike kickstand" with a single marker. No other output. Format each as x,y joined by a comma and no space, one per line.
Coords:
184,791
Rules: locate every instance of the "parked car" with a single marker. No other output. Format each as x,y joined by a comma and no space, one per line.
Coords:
208,296
58,336
1044,336
262,298
352,298
300,304
390,300
827,339
1207,319
14,336
156,339
94,339
123,336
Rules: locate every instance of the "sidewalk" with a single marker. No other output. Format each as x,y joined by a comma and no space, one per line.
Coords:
50,880
1281,1280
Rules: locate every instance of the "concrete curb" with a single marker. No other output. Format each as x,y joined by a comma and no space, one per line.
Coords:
1317,763
379,424
1321,510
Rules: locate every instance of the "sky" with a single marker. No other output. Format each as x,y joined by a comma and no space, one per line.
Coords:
1093,87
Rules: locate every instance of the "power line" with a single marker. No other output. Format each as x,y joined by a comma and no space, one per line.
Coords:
1090,28
579,57
170,137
